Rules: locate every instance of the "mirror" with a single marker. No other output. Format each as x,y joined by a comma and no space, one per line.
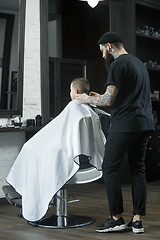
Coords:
12,18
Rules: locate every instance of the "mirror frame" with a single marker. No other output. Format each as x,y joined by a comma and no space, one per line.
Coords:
44,61
18,111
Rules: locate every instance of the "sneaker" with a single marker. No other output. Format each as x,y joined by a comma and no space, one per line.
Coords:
135,227
111,225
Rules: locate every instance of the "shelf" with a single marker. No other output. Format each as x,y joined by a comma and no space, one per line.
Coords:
153,69
20,129
155,100
147,36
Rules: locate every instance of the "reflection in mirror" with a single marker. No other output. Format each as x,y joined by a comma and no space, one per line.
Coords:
12,15
9,54
2,37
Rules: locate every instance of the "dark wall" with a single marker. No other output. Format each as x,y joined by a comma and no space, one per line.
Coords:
82,26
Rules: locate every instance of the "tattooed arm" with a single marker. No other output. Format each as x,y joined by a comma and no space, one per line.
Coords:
107,99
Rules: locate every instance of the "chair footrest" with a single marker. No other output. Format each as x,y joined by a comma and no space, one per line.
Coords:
12,196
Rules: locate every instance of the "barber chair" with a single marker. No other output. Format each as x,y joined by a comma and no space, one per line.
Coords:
86,174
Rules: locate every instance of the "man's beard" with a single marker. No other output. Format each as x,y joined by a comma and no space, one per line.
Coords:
109,59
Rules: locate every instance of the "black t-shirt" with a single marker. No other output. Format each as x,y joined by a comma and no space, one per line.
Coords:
132,109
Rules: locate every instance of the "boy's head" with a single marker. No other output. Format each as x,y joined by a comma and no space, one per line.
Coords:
78,86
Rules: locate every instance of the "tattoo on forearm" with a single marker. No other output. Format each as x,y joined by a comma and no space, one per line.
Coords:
107,99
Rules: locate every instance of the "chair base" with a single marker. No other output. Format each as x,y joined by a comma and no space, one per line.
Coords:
69,221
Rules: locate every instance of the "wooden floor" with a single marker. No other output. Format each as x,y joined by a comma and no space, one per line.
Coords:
92,203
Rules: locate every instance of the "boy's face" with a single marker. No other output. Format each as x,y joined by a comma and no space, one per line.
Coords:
73,92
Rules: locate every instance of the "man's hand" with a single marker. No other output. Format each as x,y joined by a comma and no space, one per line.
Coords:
106,99
82,98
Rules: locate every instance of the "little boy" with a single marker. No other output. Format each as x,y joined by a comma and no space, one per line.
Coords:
78,86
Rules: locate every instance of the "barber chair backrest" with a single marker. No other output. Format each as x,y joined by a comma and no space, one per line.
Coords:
87,173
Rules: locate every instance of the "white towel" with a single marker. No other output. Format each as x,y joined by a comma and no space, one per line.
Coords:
50,158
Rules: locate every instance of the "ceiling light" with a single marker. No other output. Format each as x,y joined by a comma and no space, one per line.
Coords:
92,3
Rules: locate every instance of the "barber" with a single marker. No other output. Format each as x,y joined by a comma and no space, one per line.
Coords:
128,96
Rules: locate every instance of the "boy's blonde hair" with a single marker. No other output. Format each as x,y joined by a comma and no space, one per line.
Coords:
82,84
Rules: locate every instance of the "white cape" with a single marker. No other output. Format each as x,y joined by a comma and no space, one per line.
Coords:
50,158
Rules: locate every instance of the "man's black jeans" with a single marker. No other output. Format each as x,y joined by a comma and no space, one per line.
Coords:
117,145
